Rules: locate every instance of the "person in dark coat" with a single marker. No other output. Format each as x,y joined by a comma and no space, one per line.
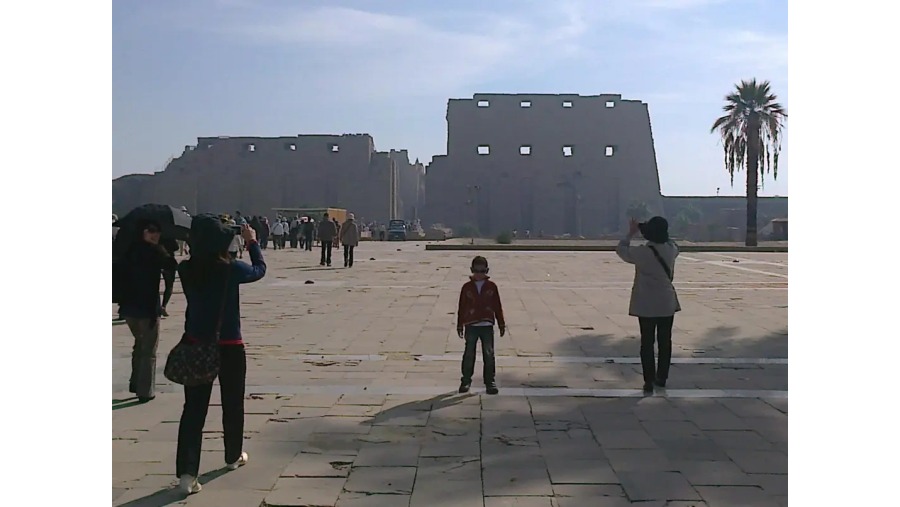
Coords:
144,262
266,232
309,229
327,233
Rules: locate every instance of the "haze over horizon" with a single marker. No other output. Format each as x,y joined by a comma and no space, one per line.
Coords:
206,68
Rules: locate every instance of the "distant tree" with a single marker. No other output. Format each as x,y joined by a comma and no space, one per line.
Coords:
505,238
638,210
466,231
751,137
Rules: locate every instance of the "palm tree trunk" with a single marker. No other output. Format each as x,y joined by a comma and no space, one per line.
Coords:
753,150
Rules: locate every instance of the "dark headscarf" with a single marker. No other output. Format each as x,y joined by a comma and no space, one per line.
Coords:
655,230
209,236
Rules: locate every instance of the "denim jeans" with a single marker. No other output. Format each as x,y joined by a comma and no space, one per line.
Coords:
472,335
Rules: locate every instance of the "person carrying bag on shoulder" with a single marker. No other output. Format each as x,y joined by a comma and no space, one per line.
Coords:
212,345
653,298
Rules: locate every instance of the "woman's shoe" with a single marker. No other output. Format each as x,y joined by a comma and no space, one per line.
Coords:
660,382
239,463
189,485
648,387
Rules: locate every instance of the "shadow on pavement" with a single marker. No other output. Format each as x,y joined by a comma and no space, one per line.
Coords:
433,404
171,495
126,403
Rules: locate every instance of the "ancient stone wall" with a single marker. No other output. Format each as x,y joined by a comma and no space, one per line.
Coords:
561,164
254,175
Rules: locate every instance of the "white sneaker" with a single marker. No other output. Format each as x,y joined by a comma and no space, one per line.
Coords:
189,485
239,463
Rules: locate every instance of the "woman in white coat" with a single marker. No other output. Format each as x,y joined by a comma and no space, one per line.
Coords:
653,298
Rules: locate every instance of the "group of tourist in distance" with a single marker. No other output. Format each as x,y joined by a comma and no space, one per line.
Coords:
211,280
302,232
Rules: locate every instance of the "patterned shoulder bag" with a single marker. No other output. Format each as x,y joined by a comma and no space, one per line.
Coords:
193,363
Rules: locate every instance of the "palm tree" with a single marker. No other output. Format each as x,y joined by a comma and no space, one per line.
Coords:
751,132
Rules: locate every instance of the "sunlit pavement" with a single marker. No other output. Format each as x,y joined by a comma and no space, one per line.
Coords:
352,381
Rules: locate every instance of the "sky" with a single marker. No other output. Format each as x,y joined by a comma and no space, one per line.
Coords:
188,69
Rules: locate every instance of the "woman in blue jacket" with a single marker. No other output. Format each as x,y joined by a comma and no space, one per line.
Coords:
211,281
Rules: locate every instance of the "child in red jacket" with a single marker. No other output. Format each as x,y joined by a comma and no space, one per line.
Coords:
479,306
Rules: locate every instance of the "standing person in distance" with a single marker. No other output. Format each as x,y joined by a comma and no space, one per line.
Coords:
211,281
479,307
653,298
277,233
327,233
144,263
349,236
309,228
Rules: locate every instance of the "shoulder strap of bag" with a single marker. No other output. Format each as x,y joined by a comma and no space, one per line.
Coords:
662,262
222,308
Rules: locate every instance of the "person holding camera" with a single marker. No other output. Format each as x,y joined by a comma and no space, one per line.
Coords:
211,280
653,298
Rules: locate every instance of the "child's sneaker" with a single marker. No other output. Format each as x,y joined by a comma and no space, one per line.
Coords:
464,387
239,463
189,485
491,388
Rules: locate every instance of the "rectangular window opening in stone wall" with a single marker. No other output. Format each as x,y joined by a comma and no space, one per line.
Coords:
250,147
334,148
610,103
567,151
567,103
525,149
525,103
610,150
484,103
484,149
290,146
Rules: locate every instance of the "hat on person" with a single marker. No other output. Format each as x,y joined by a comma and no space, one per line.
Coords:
209,235
655,230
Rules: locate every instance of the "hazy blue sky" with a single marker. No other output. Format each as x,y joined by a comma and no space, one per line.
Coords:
186,69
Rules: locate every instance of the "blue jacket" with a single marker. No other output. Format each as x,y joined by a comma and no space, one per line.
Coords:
205,305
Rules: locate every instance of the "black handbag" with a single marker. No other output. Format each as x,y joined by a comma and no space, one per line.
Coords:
196,363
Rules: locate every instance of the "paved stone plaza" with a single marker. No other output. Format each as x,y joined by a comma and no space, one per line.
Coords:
352,379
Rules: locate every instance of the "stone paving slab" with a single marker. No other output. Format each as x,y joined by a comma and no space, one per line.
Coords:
362,411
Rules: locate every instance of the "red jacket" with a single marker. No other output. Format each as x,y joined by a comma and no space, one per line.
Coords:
475,307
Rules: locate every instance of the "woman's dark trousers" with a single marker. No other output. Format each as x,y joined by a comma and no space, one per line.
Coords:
232,374
326,252
656,330
348,255
473,334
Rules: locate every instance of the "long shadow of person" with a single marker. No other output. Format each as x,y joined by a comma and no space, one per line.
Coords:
171,495
411,408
